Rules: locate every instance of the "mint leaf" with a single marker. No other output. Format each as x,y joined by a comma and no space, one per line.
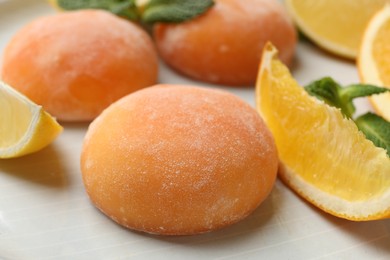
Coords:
361,90
325,89
333,94
328,90
124,8
171,11
83,4
375,129
174,11
350,92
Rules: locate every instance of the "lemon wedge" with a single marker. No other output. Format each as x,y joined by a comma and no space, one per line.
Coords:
24,126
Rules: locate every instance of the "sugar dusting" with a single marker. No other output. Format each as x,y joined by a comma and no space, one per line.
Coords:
189,154
224,45
78,60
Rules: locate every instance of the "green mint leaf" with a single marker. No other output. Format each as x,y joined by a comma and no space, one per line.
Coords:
325,89
361,90
375,129
328,90
174,11
76,4
348,93
124,8
333,94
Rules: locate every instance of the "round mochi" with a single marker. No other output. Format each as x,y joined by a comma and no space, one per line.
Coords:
178,160
77,63
224,44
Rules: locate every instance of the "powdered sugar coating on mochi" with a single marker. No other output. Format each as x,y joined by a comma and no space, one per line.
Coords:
76,63
178,160
224,45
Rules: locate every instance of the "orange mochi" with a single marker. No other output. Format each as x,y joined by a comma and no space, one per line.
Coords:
224,44
77,63
178,160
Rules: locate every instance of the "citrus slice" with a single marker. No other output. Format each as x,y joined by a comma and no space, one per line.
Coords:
335,25
374,62
24,126
324,157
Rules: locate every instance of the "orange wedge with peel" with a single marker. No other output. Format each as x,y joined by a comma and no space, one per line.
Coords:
323,156
374,59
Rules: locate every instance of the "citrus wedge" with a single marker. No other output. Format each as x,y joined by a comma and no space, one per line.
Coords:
374,61
335,25
24,126
323,156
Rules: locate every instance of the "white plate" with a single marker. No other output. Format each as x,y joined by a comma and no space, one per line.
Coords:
45,213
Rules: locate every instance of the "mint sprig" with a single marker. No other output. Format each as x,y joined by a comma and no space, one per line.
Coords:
375,128
334,94
124,8
174,11
151,11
